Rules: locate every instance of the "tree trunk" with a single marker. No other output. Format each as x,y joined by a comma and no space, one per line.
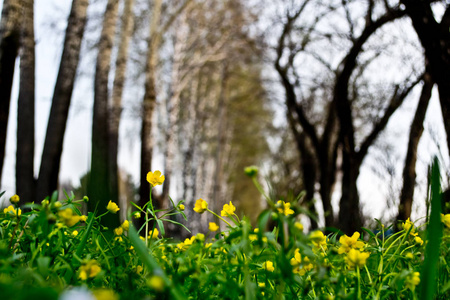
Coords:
98,184
62,95
25,183
149,104
117,93
435,39
409,170
9,47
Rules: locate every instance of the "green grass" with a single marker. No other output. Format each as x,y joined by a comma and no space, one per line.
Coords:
46,252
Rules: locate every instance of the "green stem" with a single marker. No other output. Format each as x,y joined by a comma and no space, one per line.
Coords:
219,217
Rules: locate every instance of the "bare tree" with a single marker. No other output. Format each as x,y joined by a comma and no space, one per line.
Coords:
51,156
9,48
25,183
435,39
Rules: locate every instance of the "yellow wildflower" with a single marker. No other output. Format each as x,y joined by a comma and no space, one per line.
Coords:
83,218
125,225
318,239
68,217
112,207
409,255
355,258
200,206
297,259
446,220
139,269
262,284
14,199
154,234
10,210
155,178
118,231
299,226
181,207
75,232
228,210
256,230
418,240
213,226
105,294
348,243
252,237
284,208
268,266
57,204
136,215
407,225
89,269
156,283
412,280
187,242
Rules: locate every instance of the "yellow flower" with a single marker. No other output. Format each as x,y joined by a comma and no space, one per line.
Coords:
318,239
284,208
10,210
268,266
187,242
200,206
68,217
299,226
89,269
112,207
213,226
14,199
118,231
256,230
418,240
208,245
139,269
262,284
125,225
75,233
57,204
181,207
156,283
407,225
446,220
355,258
155,233
155,178
297,259
136,215
409,255
83,218
104,294
200,236
348,243
252,237
412,280
228,210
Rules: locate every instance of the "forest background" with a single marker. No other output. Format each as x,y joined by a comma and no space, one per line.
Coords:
326,97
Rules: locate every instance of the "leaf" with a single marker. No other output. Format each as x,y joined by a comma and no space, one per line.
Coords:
161,227
368,231
434,236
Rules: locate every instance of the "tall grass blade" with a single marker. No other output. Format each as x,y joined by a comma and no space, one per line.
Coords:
434,237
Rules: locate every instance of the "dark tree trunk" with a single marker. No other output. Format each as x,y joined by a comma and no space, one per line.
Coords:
9,48
62,95
98,184
435,39
25,183
409,170
119,81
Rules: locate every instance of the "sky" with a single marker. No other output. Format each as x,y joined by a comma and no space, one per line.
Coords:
50,22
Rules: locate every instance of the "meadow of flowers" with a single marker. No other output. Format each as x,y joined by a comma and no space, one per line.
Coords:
52,251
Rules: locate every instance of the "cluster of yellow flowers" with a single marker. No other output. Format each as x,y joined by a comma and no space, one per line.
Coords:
300,267
11,210
284,208
89,269
187,242
409,226
69,218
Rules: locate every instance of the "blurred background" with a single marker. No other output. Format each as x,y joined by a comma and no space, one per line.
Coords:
345,101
